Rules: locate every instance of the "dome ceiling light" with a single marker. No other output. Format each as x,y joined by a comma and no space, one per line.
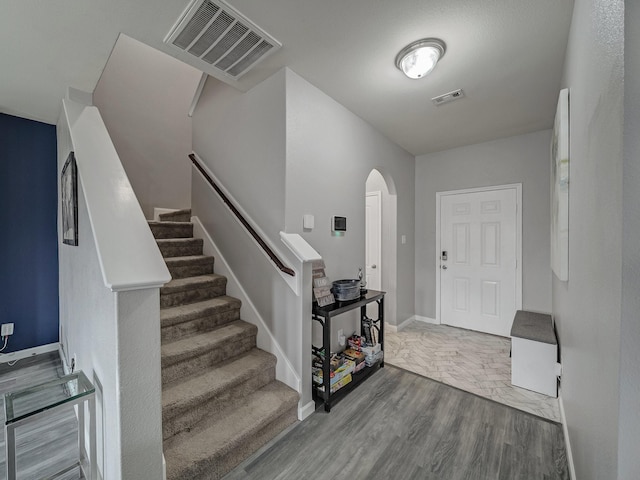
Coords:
420,57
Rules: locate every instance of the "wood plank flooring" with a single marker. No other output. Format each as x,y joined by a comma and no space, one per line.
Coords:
45,447
398,425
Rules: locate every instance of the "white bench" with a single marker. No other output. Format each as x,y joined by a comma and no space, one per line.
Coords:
534,353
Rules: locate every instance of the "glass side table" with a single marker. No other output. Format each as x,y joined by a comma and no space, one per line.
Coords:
36,402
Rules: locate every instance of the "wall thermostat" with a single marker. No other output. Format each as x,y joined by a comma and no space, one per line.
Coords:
338,224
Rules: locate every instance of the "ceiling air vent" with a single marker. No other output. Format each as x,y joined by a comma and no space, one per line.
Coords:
448,97
220,39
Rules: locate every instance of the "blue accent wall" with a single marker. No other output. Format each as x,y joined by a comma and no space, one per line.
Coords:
29,245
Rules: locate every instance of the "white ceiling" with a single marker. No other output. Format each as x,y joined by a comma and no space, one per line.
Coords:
506,55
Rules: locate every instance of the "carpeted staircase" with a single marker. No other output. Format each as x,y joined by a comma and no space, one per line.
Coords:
220,399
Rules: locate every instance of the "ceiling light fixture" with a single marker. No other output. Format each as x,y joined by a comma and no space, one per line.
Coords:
420,57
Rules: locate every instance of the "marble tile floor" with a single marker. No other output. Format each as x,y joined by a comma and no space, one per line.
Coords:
472,361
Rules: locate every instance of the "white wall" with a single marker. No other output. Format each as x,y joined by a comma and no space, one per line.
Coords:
587,308
241,138
108,334
330,153
144,96
113,331
520,159
284,149
87,313
629,436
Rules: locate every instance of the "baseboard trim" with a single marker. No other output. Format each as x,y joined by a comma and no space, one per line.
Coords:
306,410
390,328
567,442
265,340
28,352
430,320
403,325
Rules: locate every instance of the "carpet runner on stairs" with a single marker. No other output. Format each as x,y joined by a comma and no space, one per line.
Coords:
220,399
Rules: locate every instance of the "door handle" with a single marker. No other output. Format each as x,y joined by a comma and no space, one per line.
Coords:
374,266
444,267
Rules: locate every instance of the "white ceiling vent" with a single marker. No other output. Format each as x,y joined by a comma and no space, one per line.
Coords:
220,39
448,97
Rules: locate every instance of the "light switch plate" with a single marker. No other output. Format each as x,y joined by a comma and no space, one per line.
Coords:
308,221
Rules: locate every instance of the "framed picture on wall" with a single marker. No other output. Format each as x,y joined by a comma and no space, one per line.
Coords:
69,198
560,189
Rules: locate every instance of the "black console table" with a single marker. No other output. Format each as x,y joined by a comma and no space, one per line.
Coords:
323,315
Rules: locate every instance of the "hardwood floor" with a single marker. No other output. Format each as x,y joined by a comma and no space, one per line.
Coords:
46,447
399,425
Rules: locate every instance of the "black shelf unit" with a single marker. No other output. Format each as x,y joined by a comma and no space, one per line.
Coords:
323,315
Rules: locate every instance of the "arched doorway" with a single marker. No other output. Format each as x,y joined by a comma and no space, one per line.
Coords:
381,238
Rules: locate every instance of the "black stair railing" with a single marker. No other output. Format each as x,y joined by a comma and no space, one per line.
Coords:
270,253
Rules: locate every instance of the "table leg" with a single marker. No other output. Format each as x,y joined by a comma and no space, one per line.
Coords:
10,451
92,440
381,318
81,445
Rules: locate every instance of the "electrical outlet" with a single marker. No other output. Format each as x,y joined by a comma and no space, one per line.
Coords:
6,329
340,334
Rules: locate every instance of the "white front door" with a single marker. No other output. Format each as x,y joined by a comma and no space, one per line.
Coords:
478,260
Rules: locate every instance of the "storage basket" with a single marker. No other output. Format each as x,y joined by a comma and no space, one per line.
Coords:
344,290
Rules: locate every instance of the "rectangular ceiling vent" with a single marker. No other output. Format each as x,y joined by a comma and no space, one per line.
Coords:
220,38
448,97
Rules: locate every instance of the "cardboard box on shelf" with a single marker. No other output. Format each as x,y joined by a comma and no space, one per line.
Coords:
354,355
345,369
338,385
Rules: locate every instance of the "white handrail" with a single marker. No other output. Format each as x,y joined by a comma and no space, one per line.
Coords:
128,253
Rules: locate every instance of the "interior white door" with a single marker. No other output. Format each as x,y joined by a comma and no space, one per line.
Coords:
478,243
373,245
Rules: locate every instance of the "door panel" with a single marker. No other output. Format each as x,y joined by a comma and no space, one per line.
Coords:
478,277
373,246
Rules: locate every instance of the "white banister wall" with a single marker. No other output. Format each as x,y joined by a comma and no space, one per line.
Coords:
109,300
280,305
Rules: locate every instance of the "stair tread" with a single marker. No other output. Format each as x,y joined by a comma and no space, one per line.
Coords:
189,311
175,212
202,342
188,259
208,384
167,224
181,284
182,211
178,240
214,439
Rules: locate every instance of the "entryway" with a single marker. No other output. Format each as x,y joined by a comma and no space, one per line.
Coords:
471,361
479,280
380,239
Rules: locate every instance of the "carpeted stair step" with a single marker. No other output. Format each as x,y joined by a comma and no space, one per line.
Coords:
171,229
186,402
190,266
185,320
179,247
190,354
183,215
193,289
214,448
